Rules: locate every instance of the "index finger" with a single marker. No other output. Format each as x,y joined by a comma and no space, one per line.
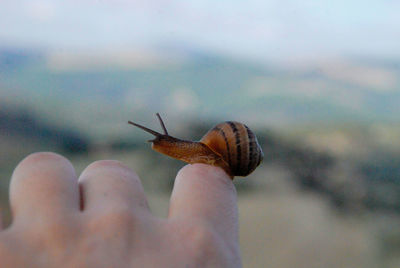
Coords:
206,193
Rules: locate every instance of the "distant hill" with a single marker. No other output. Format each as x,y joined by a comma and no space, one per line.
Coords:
21,125
84,88
14,59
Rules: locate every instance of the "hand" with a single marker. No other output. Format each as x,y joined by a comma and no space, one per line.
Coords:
102,219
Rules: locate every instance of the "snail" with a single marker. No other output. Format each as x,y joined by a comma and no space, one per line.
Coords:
229,145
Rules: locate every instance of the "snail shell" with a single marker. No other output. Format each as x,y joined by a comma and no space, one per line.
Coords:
229,145
237,145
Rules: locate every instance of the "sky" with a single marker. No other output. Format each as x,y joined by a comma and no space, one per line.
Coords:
257,29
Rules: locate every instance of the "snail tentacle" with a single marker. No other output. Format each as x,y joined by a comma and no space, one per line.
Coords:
162,124
155,133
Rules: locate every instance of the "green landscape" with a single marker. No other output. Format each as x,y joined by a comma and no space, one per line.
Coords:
328,190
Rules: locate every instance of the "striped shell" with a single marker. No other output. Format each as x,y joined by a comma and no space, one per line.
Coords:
237,145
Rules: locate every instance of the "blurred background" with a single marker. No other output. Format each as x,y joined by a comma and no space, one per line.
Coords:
317,81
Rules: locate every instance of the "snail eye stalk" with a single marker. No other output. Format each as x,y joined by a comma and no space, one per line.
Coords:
162,124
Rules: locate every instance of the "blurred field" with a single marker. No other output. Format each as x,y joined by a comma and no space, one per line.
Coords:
297,230
282,224
328,191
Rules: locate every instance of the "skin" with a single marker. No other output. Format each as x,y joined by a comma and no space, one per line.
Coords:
102,219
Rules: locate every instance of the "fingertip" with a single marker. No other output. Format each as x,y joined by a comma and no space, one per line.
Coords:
106,164
206,173
44,183
112,184
37,162
111,168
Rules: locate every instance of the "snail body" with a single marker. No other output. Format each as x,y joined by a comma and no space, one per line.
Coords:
229,145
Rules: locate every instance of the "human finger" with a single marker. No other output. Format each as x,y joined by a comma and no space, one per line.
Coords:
110,184
44,184
206,193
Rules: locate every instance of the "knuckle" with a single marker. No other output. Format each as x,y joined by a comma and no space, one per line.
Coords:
112,218
55,232
121,217
205,247
203,241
